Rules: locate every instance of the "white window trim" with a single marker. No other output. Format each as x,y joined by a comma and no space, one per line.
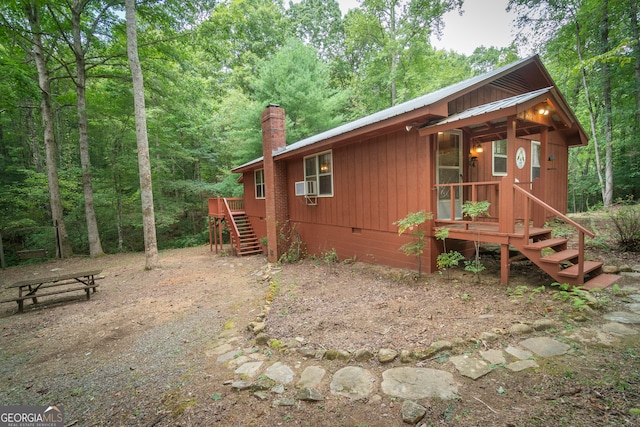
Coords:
318,174
255,184
493,159
532,158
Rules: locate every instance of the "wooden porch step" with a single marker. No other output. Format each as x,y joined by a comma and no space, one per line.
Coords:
602,281
547,243
573,270
561,256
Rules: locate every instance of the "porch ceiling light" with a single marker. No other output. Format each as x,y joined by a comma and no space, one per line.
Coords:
543,109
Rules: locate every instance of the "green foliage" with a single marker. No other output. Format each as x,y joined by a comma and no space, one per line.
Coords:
412,223
289,239
447,259
579,297
626,219
474,210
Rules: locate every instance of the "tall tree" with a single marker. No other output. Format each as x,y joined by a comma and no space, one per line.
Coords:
386,29
33,13
144,165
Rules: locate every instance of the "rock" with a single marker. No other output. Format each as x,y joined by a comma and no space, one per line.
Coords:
352,382
234,363
520,329
284,402
442,345
406,356
311,377
331,354
262,383
280,373
521,365
224,348
610,269
262,338
623,317
223,358
636,268
518,353
256,327
249,369
277,389
344,355
619,329
495,357
386,355
412,412
423,354
261,395
241,385
635,307
310,395
545,347
307,352
626,268
544,324
418,383
470,366
488,336
362,355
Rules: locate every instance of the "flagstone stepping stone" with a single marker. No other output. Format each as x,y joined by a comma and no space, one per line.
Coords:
352,382
545,347
470,366
418,383
280,373
634,307
623,317
311,377
619,329
224,348
412,412
635,297
234,363
593,336
249,369
518,353
521,365
495,357
223,358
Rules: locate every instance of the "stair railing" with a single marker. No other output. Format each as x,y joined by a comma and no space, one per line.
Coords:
530,198
231,223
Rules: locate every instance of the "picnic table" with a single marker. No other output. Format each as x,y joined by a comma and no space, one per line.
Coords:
28,289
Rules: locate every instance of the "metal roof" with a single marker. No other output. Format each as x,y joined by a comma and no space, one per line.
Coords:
414,104
491,107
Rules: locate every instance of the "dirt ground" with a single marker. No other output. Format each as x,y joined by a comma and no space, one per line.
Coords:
139,353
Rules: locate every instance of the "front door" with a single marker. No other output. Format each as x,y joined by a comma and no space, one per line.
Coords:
449,171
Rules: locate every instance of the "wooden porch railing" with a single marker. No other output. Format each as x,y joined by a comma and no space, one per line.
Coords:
530,198
223,208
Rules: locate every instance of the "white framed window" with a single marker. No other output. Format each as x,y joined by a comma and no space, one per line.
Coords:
259,180
535,160
318,173
499,157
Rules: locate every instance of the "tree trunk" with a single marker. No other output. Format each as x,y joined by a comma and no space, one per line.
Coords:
592,117
63,249
636,54
607,197
144,165
95,246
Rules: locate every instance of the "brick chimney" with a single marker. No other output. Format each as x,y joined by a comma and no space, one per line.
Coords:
275,178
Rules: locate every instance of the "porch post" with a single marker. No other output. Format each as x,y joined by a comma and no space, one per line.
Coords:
507,217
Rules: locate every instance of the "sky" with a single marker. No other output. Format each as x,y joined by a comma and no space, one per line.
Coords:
483,23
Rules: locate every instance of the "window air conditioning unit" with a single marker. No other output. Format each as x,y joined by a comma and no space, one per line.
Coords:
306,188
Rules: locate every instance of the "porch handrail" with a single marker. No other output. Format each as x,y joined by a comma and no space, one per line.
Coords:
231,223
581,230
452,199
217,205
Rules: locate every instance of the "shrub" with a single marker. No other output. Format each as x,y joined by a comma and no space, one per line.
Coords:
412,222
626,220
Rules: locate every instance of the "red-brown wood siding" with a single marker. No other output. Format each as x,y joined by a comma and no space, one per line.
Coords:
480,96
254,208
375,183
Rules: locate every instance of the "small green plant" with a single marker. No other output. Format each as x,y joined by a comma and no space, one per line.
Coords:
447,259
216,396
290,239
474,210
579,297
412,223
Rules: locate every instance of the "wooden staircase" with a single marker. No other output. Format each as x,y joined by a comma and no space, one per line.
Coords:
552,255
244,240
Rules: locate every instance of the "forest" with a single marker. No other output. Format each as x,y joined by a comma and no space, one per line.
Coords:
68,149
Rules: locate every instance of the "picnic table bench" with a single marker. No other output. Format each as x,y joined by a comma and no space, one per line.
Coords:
28,289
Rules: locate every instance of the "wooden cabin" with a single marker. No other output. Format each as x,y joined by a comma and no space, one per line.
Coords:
502,136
